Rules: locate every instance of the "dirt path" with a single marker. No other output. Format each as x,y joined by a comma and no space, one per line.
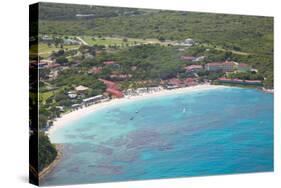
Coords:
83,42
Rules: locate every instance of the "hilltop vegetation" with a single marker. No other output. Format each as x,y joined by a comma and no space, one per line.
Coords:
242,33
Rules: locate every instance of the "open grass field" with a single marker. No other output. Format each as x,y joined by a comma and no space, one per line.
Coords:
44,50
119,41
43,96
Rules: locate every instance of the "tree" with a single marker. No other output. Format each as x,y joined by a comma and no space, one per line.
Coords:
62,60
161,39
47,152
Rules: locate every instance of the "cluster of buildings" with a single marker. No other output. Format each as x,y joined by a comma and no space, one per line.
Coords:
239,81
192,58
111,63
120,77
144,90
226,66
187,43
178,83
80,91
44,63
68,41
112,89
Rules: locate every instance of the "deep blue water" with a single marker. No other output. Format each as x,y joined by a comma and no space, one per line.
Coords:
210,132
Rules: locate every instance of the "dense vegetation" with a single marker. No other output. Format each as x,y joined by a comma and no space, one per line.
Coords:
57,11
242,33
47,152
250,35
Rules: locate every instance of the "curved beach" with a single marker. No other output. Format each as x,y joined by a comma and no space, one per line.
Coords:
177,133
74,115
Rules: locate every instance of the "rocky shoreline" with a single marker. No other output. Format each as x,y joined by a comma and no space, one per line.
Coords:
50,167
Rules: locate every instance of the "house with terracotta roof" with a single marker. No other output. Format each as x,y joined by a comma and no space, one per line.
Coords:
190,82
120,76
115,92
214,66
227,66
188,58
112,88
239,81
193,68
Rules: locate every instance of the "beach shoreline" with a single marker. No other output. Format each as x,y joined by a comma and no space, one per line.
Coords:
77,114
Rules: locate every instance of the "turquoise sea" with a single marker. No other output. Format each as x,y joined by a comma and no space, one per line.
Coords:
211,132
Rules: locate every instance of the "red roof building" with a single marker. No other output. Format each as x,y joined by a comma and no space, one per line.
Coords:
114,92
226,66
120,76
240,81
109,62
190,82
175,81
109,84
188,58
193,68
112,88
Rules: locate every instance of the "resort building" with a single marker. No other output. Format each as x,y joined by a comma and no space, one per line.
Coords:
215,66
187,42
140,91
242,67
188,58
109,84
72,94
112,88
81,89
227,66
92,100
193,68
120,77
109,62
239,81
76,106
115,93
190,82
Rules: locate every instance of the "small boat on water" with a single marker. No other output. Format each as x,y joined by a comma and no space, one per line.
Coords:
137,111
184,110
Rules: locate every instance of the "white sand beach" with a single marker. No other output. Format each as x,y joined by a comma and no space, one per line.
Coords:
76,114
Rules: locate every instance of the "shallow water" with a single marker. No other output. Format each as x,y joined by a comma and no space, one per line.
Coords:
210,132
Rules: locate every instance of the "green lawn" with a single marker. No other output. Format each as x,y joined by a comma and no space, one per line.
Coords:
115,41
43,96
44,50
